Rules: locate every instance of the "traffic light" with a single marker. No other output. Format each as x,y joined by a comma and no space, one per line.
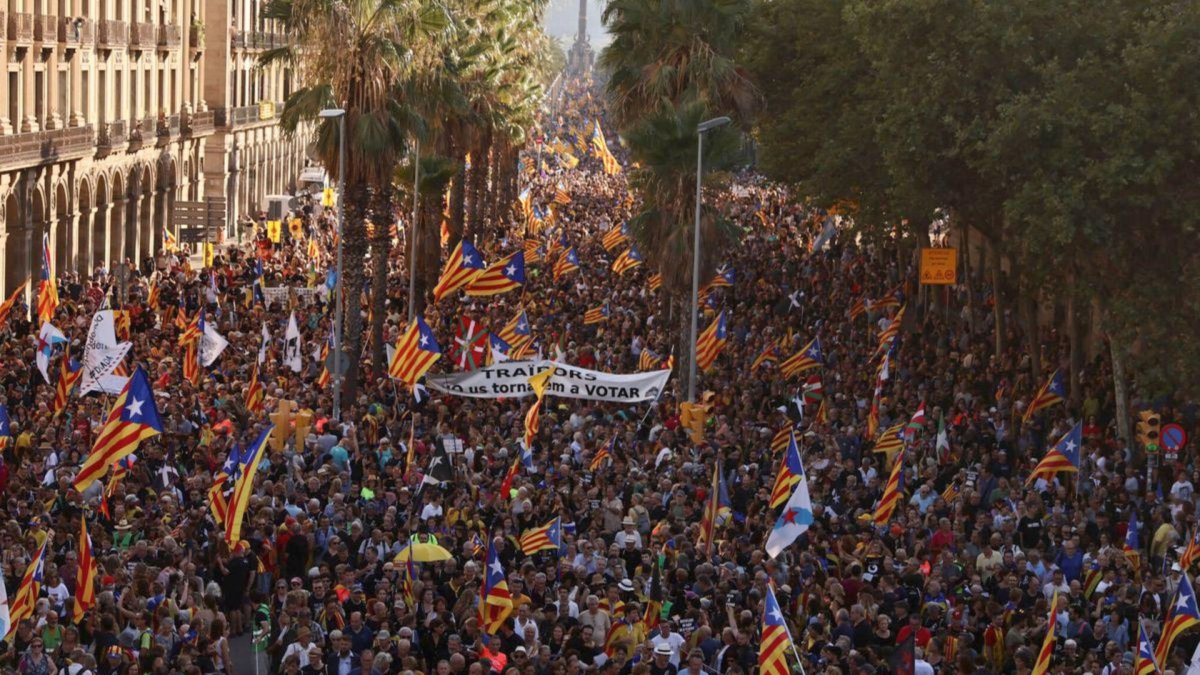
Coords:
1148,427
693,416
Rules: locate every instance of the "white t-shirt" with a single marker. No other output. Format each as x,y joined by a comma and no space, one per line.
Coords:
58,594
431,510
673,640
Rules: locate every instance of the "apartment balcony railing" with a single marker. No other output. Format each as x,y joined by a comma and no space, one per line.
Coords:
169,37
198,123
45,28
45,147
20,28
143,131
112,136
142,35
195,37
167,128
248,115
76,32
112,33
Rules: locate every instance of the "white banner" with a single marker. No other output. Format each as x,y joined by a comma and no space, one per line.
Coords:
102,355
280,294
511,379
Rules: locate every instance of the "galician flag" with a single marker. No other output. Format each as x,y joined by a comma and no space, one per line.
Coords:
795,520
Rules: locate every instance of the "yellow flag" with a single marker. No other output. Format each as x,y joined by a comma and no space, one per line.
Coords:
541,380
327,197
208,254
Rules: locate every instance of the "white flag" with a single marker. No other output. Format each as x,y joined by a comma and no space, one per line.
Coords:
47,337
291,346
212,344
5,619
1193,665
101,356
794,521
266,341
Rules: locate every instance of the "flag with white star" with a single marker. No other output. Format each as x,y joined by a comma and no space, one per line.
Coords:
133,419
416,352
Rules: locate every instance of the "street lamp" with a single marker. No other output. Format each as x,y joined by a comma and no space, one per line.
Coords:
412,262
701,129
339,313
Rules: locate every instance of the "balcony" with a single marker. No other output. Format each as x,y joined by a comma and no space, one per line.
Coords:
198,123
112,33
143,132
20,28
45,147
247,115
45,28
142,35
196,38
76,32
169,37
167,128
113,136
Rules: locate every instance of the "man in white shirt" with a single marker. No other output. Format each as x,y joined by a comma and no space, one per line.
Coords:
628,533
665,636
566,606
523,621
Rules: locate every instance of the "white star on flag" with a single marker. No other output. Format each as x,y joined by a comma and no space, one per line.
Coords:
135,408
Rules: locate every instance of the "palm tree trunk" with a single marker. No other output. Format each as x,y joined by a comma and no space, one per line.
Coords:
485,195
381,245
354,274
458,197
429,263
496,190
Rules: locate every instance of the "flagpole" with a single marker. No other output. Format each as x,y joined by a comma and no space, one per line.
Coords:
791,641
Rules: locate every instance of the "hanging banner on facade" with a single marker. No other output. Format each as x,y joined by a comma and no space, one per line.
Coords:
511,380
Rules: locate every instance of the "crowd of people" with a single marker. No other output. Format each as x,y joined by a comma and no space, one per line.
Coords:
967,565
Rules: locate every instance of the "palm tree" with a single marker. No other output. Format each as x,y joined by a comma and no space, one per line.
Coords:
668,52
350,53
664,148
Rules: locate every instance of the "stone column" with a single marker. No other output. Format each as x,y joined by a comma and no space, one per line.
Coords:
78,116
54,118
115,231
6,125
29,120
81,253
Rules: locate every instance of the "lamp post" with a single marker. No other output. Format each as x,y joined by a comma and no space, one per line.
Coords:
701,129
412,262
339,313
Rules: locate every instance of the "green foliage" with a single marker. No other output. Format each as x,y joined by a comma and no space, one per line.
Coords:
1065,131
664,146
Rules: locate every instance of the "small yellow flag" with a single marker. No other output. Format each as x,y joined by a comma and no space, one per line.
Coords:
541,380
327,197
208,254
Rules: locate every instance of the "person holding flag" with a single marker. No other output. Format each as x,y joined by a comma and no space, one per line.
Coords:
133,419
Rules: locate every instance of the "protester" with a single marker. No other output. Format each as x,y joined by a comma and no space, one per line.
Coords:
967,564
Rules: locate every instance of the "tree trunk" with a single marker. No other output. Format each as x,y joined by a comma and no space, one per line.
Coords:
967,278
495,189
1027,309
683,350
997,297
428,264
354,275
458,197
1119,390
383,215
474,194
483,194
1075,337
